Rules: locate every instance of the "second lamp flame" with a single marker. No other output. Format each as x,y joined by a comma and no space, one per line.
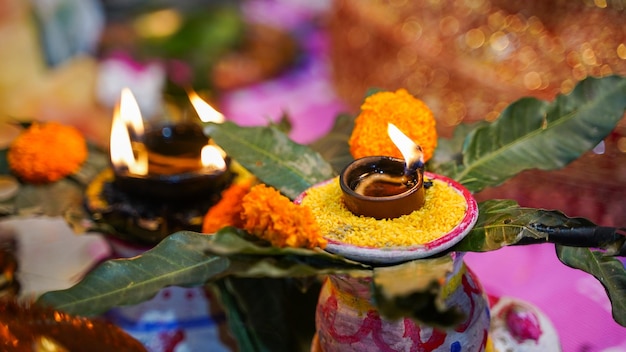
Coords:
205,111
212,156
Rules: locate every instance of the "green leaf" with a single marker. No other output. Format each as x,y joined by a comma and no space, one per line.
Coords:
189,259
448,153
254,258
204,34
179,260
51,199
246,338
203,37
609,271
97,160
334,147
4,164
283,124
373,90
281,319
414,289
503,223
532,133
272,157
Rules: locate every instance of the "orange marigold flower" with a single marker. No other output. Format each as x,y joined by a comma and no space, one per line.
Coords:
271,216
409,114
227,212
47,152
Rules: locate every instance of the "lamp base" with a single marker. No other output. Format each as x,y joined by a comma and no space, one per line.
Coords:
142,220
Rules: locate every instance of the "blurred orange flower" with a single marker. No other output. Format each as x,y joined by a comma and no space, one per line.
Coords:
47,152
400,108
227,212
271,216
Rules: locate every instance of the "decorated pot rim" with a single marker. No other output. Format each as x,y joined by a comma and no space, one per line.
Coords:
395,255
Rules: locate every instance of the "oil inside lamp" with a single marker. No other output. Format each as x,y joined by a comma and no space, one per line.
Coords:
385,187
381,184
171,161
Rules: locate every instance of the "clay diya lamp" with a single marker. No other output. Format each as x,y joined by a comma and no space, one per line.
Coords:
163,178
384,187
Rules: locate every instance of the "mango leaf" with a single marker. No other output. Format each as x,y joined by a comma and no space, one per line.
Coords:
334,147
414,290
271,156
503,223
97,160
283,124
281,319
532,133
4,164
50,199
609,271
236,317
448,152
178,260
188,259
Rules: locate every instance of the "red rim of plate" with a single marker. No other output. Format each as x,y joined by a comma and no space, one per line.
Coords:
393,255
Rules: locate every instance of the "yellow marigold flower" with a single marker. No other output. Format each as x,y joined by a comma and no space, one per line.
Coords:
47,152
409,114
271,216
227,212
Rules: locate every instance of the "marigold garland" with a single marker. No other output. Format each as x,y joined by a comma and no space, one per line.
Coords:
271,216
47,152
409,114
227,212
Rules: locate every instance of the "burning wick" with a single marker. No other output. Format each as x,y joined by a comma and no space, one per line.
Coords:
412,153
381,184
126,154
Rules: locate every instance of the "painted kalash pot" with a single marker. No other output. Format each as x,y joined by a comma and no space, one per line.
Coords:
389,213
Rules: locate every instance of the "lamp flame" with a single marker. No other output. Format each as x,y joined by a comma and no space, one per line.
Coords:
412,152
213,157
130,113
205,111
121,148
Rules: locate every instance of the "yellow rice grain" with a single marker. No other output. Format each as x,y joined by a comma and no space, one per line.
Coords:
443,209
